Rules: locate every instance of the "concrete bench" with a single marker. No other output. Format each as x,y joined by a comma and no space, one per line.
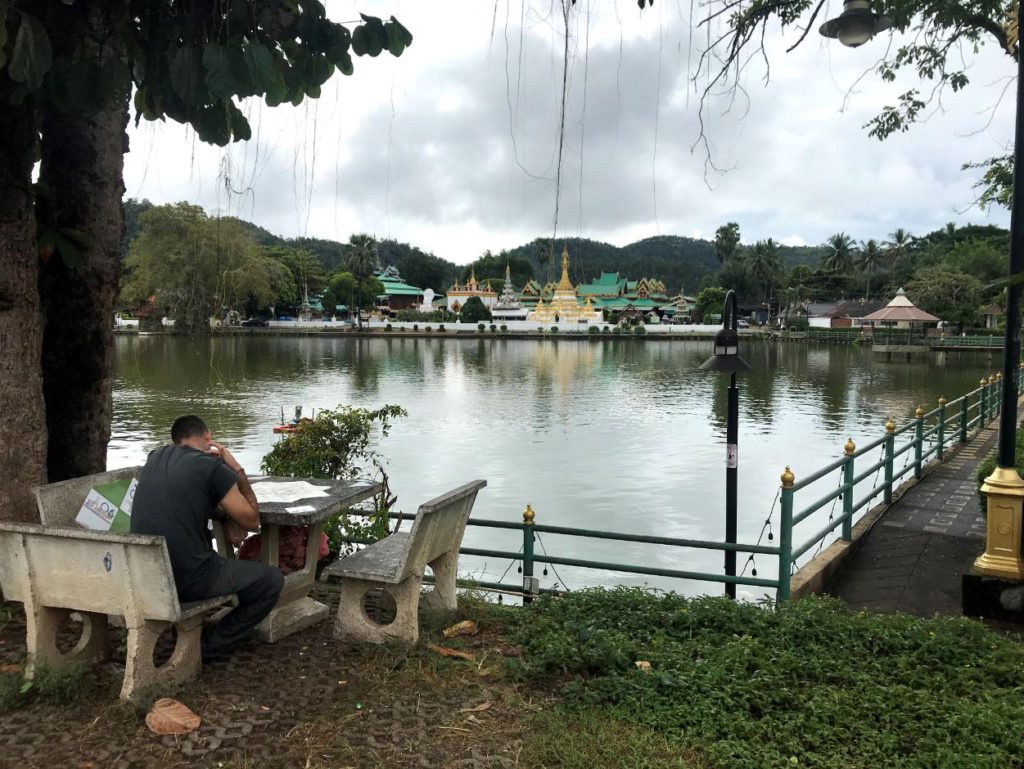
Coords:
56,568
396,565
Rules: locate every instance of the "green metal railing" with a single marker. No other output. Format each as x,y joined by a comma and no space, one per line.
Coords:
924,438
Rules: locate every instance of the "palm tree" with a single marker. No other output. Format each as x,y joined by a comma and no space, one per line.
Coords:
361,260
839,258
763,265
898,246
727,239
869,260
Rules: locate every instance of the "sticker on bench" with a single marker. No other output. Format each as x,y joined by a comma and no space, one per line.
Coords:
108,507
288,491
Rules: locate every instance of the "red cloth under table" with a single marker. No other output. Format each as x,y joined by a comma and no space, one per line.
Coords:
291,548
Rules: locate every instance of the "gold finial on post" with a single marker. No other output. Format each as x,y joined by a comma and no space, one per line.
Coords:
890,426
942,401
999,376
919,412
984,381
849,447
528,516
788,479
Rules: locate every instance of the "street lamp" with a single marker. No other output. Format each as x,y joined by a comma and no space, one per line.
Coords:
856,24
1004,488
727,360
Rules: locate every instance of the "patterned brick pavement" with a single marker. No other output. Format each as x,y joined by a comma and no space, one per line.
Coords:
912,559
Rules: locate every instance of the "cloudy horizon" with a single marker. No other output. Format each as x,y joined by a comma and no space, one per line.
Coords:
453,147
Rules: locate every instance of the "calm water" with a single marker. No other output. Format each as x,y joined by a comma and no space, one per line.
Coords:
612,434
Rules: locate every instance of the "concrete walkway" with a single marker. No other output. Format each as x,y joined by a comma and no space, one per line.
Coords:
913,558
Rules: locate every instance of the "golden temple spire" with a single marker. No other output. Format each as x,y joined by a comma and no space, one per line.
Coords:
564,283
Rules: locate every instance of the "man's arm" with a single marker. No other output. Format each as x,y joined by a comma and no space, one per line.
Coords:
240,501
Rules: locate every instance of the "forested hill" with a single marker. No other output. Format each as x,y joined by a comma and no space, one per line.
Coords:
684,264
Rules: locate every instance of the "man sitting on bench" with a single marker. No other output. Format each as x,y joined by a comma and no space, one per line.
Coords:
181,487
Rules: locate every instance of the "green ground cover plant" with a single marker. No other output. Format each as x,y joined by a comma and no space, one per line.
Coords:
809,684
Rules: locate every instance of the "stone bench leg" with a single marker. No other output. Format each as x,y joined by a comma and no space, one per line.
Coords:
443,597
353,624
142,677
44,622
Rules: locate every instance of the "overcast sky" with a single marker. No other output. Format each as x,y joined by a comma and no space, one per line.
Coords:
453,147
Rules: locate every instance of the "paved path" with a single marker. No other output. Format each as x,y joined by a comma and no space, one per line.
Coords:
912,559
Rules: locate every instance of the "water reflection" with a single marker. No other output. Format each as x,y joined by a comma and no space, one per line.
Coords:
612,433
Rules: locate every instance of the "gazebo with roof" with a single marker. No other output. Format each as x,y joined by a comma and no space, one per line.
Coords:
901,314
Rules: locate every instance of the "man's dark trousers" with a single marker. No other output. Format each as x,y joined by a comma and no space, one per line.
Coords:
258,587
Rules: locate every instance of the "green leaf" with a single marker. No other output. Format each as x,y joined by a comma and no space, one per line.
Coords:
25,687
240,127
344,64
395,43
214,124
185,71
262,70
406,35
220,77
360,43
32,56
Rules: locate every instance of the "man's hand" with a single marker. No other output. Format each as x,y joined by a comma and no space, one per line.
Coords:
219,450
235,533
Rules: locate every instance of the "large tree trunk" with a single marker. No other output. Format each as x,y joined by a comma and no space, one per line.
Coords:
81,187
22,420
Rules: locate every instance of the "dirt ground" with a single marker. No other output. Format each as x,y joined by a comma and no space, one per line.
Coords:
306,701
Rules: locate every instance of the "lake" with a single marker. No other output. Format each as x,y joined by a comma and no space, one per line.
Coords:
614,434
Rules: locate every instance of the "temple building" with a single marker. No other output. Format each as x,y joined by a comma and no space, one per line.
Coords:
564,305
398,295
508,307
459,295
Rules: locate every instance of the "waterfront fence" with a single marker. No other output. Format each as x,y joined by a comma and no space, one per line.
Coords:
861,481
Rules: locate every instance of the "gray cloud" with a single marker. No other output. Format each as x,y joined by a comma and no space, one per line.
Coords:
455,150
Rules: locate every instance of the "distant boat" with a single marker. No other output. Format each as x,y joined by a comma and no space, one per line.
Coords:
293,425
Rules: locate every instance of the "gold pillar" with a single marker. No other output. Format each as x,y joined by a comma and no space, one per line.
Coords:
1002,556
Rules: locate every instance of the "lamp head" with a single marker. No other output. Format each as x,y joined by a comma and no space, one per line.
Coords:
726,358
856,24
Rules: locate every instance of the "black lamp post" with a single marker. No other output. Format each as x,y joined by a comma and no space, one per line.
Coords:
727,360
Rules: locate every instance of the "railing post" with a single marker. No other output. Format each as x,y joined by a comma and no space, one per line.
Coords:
963,419
918,440
785,534
983,408
999,392
890,444
848,449
941,429
530,583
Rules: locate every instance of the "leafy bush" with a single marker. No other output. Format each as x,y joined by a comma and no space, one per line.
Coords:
415,327
617,330
480,327
493,328
428,329
593,330
417,315
554,329
337,444
441,328
640,330
504,328
605,330
808,683
387,327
